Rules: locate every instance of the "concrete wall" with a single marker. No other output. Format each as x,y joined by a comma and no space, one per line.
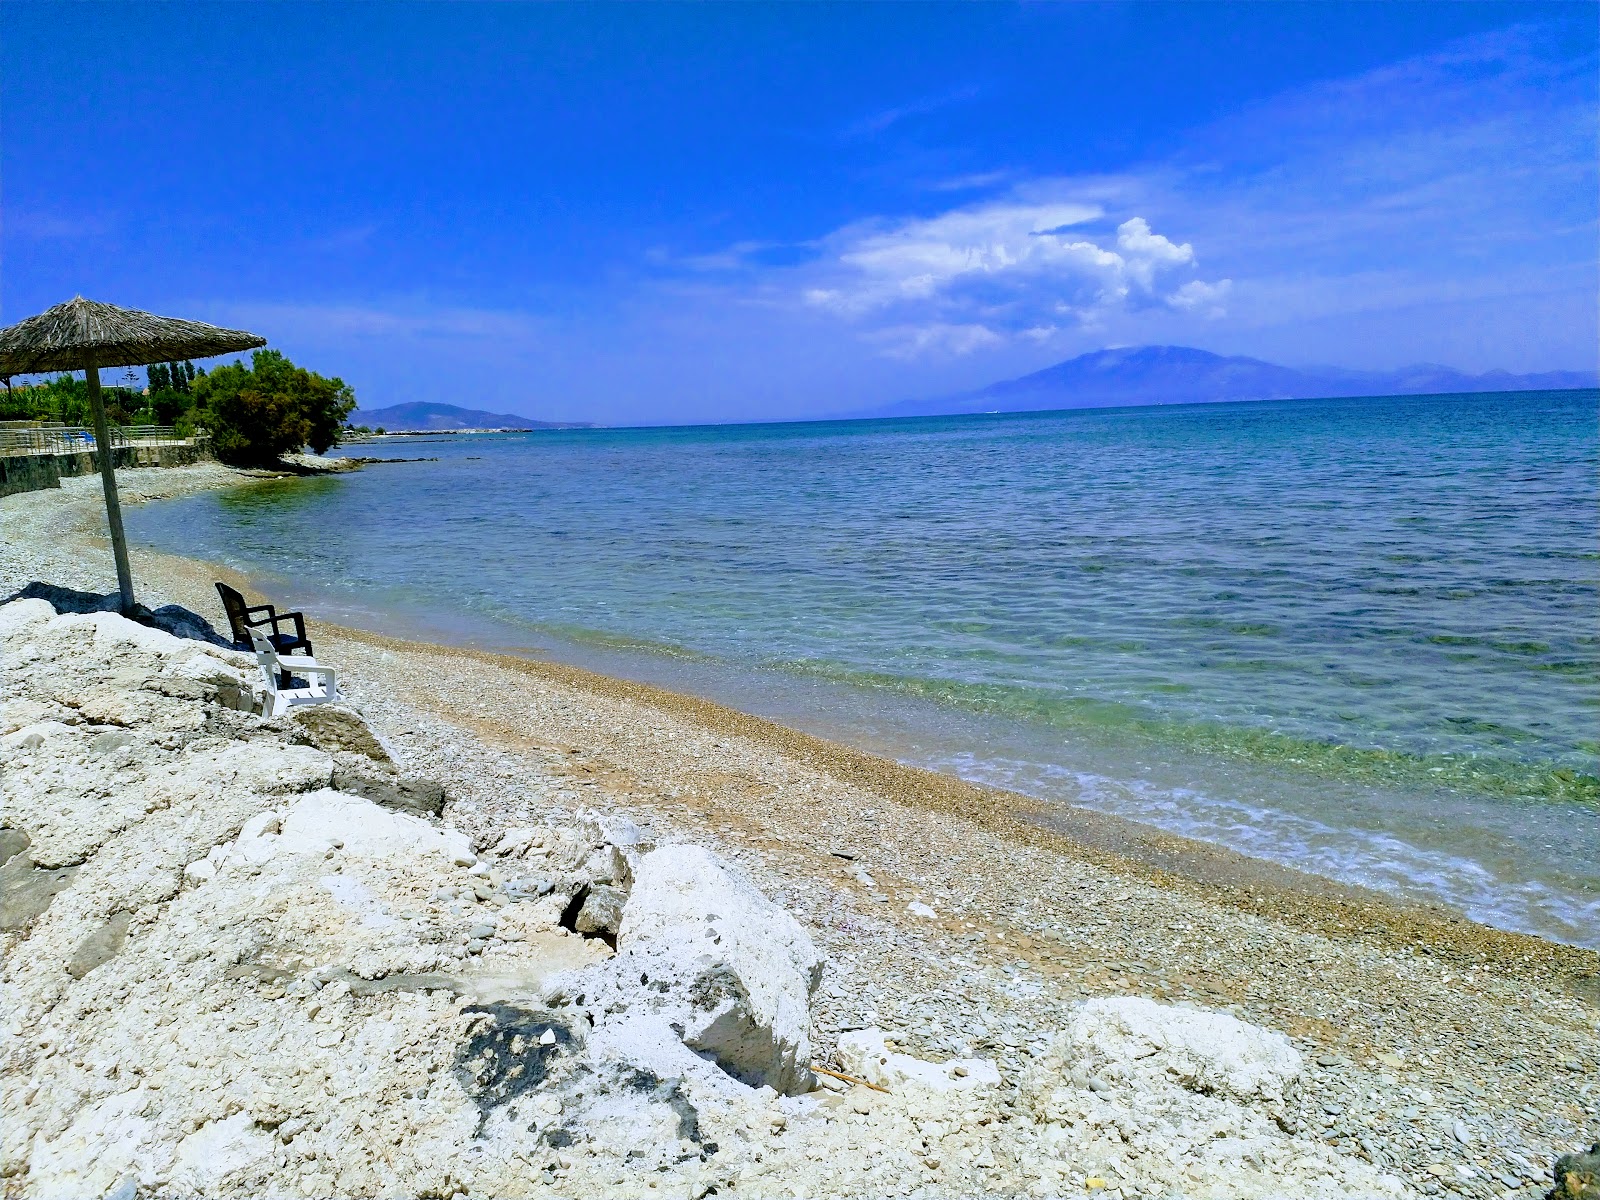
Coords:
28,473
31,472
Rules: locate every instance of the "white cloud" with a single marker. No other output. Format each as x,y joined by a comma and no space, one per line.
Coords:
1207,299
379,322
1144,253
938,338
1020,268
975,182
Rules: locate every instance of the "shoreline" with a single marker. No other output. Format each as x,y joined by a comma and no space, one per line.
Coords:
1317,902
1076,903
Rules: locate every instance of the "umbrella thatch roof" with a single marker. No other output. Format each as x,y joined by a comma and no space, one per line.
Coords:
61,338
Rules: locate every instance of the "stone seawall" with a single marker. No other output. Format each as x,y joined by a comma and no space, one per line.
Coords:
33,472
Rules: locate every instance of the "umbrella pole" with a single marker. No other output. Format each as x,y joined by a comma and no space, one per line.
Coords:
108,477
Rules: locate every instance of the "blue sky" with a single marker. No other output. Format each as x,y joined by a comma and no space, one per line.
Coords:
656,213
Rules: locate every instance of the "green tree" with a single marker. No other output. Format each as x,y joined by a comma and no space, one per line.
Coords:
168,407
62,399
160,378
258,413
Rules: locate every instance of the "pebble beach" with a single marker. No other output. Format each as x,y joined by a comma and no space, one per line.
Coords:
1432,1055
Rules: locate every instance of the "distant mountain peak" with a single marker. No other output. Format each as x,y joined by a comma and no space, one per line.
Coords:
1133,375
427,416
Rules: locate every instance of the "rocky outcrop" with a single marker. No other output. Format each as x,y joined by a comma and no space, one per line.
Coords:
226,969
280,968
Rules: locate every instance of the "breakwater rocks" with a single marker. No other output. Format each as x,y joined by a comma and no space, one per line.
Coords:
247,957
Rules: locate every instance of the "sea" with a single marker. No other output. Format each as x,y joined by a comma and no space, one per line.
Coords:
1358,637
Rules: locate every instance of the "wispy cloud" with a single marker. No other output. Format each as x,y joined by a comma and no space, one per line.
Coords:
56,226
414,319
978,181
351,237
879,122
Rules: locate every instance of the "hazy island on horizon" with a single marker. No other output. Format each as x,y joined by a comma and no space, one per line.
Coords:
1107,378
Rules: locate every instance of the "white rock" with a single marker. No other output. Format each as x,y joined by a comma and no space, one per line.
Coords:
918,909
1206,1052
865,1054
748,964
217,1150
104,1142
19,614
201,871
514,842
322,820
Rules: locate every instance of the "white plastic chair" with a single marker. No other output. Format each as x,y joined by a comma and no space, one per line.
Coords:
322,685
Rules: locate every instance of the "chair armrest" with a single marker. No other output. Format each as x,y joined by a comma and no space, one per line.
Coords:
251,609
277,620
298,662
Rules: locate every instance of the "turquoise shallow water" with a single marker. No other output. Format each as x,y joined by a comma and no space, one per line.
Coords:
1359,636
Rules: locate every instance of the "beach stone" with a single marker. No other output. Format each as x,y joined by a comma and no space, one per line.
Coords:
1207,1052
865,1054
326,819
12,843
419,797
335,727
17,614
27,889
100,946
601,914
739,970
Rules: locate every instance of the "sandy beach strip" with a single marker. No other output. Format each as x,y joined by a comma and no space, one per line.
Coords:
1461,1057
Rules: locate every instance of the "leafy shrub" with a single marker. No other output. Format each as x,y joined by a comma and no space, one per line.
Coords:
257,414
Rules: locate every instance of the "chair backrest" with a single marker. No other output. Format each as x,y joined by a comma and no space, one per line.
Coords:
238,618
266,656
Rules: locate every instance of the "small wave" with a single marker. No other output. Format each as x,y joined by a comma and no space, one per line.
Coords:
1479,774
1361,857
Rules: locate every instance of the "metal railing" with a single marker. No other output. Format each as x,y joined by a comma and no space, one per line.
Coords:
17,437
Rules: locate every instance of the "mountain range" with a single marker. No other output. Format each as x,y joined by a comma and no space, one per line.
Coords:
1184,375
424,416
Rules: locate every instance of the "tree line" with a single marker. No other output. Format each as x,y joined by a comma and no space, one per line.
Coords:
254,415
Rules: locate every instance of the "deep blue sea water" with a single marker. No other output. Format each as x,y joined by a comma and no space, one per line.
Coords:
1361,637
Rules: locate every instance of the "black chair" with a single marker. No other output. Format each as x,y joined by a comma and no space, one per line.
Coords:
243,617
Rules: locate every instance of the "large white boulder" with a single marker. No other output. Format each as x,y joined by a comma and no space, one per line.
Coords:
739,969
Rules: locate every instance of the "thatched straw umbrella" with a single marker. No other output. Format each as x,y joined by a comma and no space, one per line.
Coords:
83,335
